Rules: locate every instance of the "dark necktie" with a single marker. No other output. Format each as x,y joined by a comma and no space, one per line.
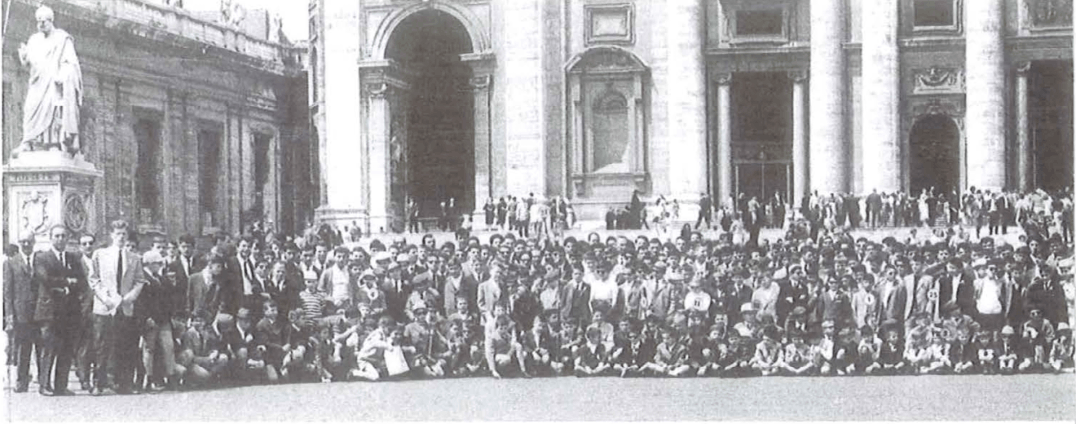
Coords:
119,270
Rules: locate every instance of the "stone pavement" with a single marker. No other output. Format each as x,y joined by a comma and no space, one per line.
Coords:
1021,397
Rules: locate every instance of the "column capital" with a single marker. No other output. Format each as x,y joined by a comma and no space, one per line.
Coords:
377,90
480,83
798,76
1022,68
723,78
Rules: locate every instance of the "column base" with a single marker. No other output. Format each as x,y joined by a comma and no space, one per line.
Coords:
337,218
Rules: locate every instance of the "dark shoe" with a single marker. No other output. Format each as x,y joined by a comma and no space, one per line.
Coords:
86,386
22,387
45,391
63,392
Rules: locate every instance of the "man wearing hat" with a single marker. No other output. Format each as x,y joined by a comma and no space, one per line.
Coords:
20,298
422,294
155,306
748,327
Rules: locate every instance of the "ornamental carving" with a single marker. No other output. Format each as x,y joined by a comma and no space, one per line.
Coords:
34,212
1050,13
75,213
938,80
606,59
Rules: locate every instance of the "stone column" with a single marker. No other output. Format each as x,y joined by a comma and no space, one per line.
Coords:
985,70
724,138
799,137
881,101
523,107
344,153
1023,129
686,93
829,167
378,119
482,160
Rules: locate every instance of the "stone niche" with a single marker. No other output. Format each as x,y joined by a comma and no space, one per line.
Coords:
607,110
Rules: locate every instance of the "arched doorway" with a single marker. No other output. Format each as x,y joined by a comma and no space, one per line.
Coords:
934,160
440,109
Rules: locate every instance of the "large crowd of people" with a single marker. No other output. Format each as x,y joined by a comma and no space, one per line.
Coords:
261,308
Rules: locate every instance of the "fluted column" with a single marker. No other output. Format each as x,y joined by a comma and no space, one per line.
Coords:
881,102
828,153
985,70
686,94
724,138
1023,129
799,137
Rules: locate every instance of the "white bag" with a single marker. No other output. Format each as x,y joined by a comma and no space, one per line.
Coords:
395,361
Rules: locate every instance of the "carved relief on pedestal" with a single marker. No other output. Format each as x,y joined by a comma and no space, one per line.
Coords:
75,212
33,213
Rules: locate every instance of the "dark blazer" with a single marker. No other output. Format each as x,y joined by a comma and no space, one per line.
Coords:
207,301
20,290
57,299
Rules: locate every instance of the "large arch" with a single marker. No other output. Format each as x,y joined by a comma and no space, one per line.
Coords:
476,30
436,114
934,155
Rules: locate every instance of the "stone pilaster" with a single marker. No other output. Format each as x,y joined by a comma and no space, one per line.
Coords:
799,137
881,101
480,87
685,91
828,153
1023,129
724,138
344,153
378,116
524,105
985,71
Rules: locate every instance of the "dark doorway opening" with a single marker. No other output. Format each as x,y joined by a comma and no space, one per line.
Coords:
935,155
761,134
1050,103
440,115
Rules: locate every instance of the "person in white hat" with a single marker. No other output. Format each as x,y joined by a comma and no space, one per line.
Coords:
748,327
1061,352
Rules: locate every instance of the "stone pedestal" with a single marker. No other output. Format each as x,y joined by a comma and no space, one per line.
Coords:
43,189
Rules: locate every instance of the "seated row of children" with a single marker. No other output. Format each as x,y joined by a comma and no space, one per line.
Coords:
364,345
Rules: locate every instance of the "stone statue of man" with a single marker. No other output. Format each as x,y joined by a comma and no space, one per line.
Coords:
54,94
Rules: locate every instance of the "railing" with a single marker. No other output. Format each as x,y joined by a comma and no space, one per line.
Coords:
182,23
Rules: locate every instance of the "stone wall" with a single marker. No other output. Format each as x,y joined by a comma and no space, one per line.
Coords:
189,76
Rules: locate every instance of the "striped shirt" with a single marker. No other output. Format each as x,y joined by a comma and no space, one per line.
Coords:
313,304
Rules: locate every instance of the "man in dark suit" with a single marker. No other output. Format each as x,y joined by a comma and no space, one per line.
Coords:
205,298
874,209
61,280
186,265
20,299
705,211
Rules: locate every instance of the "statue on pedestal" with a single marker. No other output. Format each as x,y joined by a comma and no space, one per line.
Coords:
54,94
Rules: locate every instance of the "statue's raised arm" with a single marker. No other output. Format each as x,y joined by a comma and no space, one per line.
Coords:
54,91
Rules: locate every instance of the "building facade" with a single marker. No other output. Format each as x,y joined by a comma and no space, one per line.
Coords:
593,99
198,126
